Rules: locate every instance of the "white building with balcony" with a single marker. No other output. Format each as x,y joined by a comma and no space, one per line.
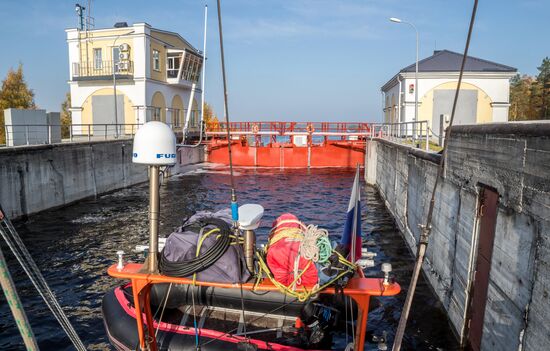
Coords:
156,74
484,95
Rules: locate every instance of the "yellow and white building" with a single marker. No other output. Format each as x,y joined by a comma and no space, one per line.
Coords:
484,95
157,77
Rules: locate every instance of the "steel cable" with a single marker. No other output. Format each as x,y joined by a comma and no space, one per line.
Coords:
43,289
426,229
19,250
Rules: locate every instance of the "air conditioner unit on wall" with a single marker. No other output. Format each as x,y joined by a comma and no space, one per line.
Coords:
124,56
124,47
123,66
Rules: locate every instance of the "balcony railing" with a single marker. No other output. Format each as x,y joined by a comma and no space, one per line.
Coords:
101,69
172,73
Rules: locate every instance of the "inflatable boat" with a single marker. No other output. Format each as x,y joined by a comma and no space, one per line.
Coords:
273,320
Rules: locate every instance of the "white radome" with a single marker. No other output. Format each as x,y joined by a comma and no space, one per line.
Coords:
155,145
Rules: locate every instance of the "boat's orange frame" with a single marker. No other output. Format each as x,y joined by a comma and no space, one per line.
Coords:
359,288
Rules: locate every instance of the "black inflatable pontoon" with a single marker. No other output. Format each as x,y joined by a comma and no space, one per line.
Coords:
177,332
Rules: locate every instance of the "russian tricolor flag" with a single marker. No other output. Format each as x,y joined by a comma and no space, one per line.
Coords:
352,228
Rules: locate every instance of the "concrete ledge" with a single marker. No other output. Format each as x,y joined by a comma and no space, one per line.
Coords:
23,149
422,154
527,128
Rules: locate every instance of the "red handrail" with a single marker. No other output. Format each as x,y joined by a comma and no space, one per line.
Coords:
283,127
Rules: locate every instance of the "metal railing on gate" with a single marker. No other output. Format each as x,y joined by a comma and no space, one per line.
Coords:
39,134
417,134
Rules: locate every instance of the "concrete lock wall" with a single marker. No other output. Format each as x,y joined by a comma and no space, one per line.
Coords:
36,178
512,158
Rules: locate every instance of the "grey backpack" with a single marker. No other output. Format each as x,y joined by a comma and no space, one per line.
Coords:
181,246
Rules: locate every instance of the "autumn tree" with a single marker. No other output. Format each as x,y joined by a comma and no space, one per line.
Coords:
520,97
530,96
66,120
210,119
544,85
14,94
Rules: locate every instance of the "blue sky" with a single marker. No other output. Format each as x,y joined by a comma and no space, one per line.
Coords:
286,59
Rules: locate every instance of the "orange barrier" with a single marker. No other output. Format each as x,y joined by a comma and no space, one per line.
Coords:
272,144
346,154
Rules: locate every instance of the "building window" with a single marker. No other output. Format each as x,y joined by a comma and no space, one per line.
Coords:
173,66
97,59
156,113
156,60
176,117
194,118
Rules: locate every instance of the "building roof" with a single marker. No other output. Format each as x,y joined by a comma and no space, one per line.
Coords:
450,61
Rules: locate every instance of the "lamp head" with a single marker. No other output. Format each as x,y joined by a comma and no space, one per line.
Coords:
78,8
395,20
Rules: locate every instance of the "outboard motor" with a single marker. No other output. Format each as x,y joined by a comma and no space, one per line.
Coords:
318,317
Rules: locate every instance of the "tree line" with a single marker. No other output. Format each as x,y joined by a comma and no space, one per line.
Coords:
530,95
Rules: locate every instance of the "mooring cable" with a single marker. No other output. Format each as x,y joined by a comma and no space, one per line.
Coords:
426,229
23,257
163,309
36,278
18,248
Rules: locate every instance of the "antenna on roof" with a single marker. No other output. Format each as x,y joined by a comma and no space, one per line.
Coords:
90,21
86,21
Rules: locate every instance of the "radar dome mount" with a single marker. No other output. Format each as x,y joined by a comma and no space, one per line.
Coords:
154,145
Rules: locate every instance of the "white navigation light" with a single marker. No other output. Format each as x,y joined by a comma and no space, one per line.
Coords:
155,145
250,216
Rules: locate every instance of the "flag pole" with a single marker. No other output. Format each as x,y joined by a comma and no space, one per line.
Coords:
355,218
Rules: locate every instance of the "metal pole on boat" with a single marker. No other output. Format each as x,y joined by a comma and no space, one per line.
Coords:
15,304
203,66
154,209
234,205
249,248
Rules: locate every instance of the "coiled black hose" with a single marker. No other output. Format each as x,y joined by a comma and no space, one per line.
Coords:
205,260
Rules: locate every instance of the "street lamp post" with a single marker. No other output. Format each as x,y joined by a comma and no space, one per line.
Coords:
397,20
114,80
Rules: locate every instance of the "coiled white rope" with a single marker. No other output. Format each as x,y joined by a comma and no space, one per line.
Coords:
315,245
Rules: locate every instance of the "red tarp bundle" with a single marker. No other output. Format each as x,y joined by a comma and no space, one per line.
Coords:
282,255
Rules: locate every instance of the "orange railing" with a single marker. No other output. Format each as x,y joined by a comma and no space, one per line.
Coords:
287,128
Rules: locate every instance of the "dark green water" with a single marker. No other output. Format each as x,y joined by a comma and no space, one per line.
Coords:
74,245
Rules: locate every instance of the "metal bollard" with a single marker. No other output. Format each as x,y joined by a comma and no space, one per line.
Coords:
120,255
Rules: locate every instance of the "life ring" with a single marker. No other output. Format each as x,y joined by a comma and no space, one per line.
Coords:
255,128
310,128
